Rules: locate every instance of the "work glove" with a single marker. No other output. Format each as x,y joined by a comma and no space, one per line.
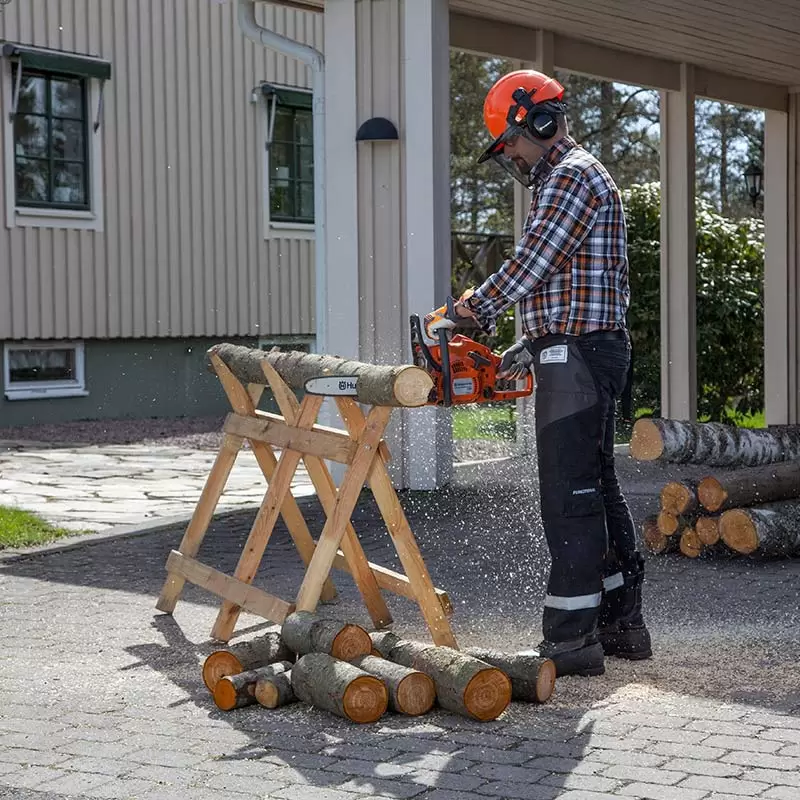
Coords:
447,316
516,362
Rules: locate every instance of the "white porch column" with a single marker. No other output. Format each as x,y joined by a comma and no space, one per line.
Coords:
781,265
341,332
678,268
341,238
427,439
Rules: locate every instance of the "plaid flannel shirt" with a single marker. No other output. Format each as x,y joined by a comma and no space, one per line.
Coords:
570,269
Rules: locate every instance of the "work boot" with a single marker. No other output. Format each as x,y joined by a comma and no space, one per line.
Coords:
621,628
582,656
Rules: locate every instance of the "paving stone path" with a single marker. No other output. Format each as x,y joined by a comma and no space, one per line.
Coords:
94,488
101,696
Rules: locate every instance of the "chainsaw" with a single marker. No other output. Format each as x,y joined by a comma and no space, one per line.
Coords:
463,371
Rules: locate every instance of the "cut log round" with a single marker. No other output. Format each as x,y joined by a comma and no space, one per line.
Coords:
668,523
244,656
712,443
679,497
533,678
404,385
749,487
707,529
655,541
769,530
304,632
464,684
339,687
236,691
410,691
690,543
275,691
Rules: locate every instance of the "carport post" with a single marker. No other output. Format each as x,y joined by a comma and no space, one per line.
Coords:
678,268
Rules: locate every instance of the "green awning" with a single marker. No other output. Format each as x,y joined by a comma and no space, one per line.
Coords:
288,97
58,61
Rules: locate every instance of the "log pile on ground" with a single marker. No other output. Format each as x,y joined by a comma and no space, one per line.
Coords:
749,504
340,667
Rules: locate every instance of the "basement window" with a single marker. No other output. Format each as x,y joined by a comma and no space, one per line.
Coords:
302,344
36,370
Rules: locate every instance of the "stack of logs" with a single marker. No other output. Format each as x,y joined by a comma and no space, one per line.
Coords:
748,503
339,667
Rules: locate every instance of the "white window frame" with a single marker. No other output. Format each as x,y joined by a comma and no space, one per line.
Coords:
21,216
43,390
276,229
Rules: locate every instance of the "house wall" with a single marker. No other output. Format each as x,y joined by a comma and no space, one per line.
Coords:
182,251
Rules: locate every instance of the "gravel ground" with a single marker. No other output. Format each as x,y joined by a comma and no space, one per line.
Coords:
194,433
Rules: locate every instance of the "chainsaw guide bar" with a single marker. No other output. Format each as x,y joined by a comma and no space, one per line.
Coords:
345,386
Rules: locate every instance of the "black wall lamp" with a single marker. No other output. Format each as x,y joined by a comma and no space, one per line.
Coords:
754,180
377,129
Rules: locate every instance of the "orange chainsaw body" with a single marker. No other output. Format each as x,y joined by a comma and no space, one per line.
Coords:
463,371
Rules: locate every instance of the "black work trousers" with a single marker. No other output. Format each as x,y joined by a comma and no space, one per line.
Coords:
586,518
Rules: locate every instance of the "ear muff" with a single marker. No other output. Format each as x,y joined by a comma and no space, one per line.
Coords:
540,119
542,124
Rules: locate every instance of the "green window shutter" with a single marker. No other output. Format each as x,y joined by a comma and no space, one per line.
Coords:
58,61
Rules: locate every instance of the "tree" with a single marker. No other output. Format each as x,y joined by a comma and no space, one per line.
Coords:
730,337
482,196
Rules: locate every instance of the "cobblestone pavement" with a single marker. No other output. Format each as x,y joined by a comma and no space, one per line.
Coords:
94,488
101,695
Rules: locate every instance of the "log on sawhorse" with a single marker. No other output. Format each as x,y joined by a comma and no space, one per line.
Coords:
244,373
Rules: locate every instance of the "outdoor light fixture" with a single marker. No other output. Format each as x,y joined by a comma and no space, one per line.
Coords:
753,178
377,129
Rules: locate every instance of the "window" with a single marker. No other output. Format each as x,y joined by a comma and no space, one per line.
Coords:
53,137
36,370
51,162
302,344
289,160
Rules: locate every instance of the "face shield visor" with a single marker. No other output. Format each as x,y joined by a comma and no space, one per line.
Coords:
517,168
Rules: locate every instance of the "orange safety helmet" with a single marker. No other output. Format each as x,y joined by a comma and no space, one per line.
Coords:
521,101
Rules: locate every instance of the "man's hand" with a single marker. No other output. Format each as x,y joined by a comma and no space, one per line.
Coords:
447,316
516,362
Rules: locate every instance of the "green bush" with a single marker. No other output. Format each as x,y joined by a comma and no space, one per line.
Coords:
730,314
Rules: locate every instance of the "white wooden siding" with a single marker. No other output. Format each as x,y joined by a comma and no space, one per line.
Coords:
183,251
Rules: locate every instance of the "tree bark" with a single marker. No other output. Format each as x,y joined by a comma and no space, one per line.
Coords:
339,687
750,487
533,678
236,691
768,530
679,497
275,691
403,385
464,684
304,632
245,656
410,691
712,443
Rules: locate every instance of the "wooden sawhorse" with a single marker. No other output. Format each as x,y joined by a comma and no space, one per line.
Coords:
244,374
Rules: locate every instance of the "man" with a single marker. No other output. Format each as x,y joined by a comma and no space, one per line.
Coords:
570,276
